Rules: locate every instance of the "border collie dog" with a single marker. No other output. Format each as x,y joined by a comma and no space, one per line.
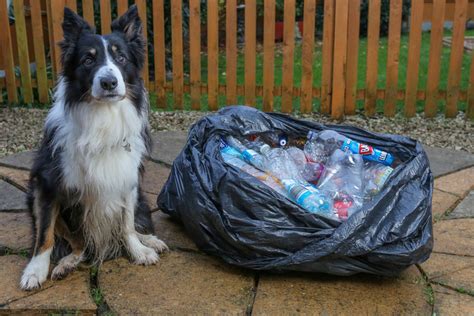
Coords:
85,195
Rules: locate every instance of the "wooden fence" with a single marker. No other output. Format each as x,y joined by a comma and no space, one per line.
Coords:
37,27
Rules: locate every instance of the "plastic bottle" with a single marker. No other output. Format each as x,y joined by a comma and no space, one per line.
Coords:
343,180
309,199
249,155
375,176
332,140
257,145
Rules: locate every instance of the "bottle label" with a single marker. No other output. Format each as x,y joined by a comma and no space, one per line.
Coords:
249,154
368,152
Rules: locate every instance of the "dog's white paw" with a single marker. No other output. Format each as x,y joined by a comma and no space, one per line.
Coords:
153,242
35,272
65,266
145,256
31,281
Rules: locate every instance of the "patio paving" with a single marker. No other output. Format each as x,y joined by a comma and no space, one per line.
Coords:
187,281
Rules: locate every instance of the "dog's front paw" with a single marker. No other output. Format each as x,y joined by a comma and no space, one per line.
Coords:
145,256
153,242
35,272
32,280
65,266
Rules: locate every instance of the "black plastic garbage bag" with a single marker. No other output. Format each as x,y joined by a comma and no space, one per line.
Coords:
233,215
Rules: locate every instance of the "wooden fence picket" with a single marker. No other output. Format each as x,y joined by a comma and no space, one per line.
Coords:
352,56
40,58
340,52
434,63
327,57
6,49
177,53
308,56
250,50
268,55
288,56
212,53
373,34
159,52
414,47
231,51
455,61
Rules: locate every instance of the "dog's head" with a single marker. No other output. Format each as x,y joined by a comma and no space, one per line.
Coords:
102,68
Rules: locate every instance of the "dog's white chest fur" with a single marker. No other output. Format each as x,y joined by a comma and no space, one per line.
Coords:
101,149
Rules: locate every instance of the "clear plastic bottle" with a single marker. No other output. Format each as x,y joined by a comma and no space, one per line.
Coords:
249,155
332,140
309,198
343,180
375,176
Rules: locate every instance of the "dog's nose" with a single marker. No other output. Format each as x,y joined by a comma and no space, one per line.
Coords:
108,83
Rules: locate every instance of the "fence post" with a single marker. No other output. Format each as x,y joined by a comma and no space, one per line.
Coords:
340,50
40,59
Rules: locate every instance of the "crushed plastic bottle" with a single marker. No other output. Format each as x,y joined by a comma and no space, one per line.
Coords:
343,179
249,155
332,140
375,176
309,198
266,178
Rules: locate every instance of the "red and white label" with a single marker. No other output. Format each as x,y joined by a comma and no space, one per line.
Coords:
365,149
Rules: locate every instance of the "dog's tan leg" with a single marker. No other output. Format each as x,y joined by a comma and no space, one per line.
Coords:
45,215
70,262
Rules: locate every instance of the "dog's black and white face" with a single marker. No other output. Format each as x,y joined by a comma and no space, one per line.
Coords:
102,68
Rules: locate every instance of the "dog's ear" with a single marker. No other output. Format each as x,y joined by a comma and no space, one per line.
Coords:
73,27
131,27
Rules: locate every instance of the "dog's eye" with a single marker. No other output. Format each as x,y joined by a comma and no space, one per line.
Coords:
88,61
121,59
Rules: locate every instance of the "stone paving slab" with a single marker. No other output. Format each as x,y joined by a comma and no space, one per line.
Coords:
449,302
23,160
465,209
443,160
308,294
458,183
454,237
456,272
15,231
181,283
70,294
154,178
20,177
11,198
172,232
442,202
167,145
